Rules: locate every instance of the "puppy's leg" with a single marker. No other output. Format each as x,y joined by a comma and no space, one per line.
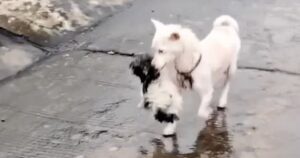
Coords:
170,128
224,94
141,103
205,90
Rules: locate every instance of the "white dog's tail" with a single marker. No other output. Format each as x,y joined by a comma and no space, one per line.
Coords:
226,20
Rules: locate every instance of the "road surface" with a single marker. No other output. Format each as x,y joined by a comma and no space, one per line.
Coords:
80,104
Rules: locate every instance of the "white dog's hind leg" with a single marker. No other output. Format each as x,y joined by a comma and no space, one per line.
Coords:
224,94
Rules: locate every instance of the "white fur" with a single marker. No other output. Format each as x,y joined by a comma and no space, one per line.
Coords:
219,51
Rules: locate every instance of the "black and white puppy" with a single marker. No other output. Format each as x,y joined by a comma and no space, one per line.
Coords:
159,93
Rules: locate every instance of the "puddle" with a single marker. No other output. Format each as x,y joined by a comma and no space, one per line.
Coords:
213,141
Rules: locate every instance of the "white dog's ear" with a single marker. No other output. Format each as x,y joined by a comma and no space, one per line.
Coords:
157,24
174,36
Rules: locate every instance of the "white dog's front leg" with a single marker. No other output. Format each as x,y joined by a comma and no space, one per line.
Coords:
205,91
205,110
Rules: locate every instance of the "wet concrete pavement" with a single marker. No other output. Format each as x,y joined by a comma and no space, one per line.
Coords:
79,104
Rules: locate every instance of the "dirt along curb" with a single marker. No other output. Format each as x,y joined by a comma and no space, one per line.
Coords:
29,27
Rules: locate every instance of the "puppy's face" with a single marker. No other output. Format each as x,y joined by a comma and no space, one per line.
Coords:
142,68
166,44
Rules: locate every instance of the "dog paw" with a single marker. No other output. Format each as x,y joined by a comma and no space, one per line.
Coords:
205,113
169,135
219,108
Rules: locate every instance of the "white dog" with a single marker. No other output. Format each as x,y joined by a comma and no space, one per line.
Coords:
203,62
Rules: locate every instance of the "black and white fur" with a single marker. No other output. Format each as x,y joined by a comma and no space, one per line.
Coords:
159,93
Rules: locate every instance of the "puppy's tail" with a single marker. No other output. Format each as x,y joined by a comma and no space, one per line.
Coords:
226,20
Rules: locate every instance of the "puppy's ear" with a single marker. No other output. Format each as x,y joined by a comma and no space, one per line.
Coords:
131,65
137,70
174,36
157,24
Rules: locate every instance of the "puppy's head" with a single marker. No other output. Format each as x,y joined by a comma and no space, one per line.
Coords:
142,68
166,44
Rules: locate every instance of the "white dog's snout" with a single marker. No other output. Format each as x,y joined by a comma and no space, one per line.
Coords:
157,63
153,63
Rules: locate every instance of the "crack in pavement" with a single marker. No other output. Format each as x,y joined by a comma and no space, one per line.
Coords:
16,37
94,134
29,68
109,52
40,115
111,106
117,102
272,70
115,85
50,53
119,53
23,71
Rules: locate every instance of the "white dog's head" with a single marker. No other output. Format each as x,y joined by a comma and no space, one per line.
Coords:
166,43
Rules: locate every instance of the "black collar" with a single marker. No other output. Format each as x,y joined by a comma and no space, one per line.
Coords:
189,72
185,79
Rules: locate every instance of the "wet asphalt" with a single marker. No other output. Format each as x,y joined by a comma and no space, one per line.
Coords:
79,104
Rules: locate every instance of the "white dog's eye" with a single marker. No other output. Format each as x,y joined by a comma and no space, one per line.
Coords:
160,51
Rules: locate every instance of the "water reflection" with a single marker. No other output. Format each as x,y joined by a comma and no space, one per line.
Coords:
213,141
